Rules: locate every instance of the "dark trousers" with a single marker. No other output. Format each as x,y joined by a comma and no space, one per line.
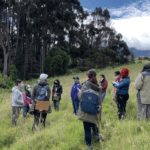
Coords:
122,100
56,104
73,103
37,117
15,115
87,130
76,105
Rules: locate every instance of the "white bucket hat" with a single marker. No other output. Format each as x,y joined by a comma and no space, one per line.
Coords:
43,76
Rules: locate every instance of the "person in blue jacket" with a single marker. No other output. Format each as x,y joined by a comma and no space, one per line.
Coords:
74,94
122,92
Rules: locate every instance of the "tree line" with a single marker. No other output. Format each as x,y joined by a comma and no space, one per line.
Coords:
34,34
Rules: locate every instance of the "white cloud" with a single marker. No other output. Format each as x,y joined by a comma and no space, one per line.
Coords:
133,24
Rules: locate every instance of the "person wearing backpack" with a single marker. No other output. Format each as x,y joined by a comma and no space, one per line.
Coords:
104,85
56,94
27,99
142,85
122,92
90,97
74,94
42,92
17,101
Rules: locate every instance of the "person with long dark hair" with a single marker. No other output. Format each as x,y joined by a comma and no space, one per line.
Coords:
104,85
142,85
56,94
122,92
90,120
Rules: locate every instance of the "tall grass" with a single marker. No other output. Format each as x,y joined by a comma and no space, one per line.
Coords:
65,132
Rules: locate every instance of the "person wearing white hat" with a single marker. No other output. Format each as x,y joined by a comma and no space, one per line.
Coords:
42,84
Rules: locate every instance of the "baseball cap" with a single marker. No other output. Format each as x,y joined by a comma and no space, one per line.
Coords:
76,77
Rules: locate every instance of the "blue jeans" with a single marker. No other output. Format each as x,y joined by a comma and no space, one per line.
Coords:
73,103
25,110
87,130
76,105
103,96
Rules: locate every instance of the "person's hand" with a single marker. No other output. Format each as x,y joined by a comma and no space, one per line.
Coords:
55,95
113,82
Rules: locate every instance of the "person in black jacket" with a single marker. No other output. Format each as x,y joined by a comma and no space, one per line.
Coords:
56,94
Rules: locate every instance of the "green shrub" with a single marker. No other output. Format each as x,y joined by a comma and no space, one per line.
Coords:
56,62
13,72
6,82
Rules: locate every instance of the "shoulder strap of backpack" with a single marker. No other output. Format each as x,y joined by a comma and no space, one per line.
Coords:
87,85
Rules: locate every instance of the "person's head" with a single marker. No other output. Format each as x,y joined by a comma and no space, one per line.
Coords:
91,74
76,79
124,72
27,87
56,82
19,83
146,66
43,76
117,74
102,77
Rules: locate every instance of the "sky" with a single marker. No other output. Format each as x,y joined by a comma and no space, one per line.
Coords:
130,18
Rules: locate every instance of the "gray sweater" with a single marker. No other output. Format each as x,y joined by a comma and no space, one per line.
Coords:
17,97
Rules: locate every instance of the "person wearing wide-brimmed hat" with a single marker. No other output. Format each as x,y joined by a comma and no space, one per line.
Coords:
142,84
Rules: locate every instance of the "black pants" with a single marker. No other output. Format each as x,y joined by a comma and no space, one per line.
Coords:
37,117
122,100
87,130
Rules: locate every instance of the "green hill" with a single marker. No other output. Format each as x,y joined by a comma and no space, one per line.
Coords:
65,132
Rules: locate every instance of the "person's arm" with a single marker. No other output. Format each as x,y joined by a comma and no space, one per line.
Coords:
60,92
16,98
120,85
48,89
81,91
105,85
34,92
139,82
53,91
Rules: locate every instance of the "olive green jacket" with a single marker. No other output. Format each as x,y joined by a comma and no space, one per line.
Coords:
87,117
35,89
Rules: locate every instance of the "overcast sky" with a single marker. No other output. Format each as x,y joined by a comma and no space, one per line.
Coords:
130,18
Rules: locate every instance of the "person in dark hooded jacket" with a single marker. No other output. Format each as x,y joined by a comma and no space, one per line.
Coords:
37,113
56,92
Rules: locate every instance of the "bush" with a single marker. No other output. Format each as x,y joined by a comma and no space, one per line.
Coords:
13,72
56,62
6,82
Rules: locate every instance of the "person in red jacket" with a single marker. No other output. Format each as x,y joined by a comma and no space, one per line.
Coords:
27,100
104,85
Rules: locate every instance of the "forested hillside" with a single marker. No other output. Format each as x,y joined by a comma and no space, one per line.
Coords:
34,33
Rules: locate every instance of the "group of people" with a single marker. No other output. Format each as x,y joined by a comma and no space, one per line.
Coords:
79,98
28,100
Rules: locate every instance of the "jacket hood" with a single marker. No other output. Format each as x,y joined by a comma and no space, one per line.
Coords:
126,77
95,87
43,82
16,88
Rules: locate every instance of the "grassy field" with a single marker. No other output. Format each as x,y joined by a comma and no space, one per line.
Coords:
65,132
